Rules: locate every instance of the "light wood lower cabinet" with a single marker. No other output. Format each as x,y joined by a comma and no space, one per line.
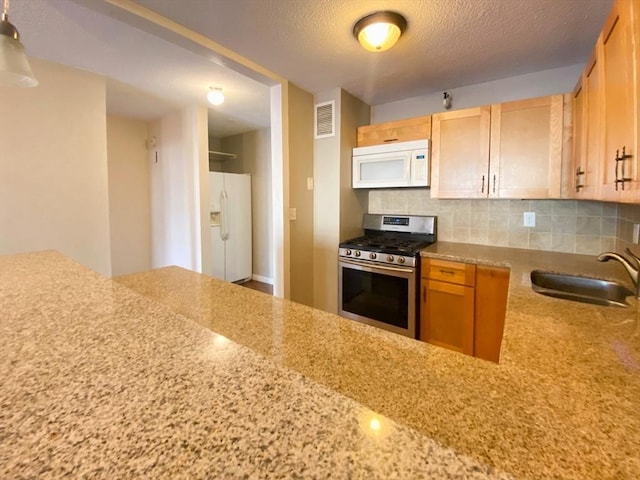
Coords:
492,288
462,307
447,319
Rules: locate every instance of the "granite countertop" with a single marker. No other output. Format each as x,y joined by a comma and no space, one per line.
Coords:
564,402
97,381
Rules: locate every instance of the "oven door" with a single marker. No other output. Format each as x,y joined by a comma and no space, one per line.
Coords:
379,295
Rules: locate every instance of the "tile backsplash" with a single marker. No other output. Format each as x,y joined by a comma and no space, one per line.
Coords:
628,215
575,226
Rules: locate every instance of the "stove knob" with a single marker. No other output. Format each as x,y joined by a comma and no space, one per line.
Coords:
357,254
348,252
400,259
390,258
372,256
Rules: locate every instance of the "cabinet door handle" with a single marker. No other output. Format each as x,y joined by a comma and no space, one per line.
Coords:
494,183
482,191
617,163
578,184
621,159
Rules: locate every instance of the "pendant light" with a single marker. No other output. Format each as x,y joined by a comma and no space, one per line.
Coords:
14,66
379,31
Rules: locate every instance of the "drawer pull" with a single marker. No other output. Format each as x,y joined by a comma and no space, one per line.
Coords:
447,272
390,140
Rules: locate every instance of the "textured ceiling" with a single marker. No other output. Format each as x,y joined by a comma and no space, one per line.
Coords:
148,76
448,44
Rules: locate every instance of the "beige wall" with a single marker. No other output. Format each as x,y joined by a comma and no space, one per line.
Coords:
53,167
353,202
301,197
129,196
253,150
537,84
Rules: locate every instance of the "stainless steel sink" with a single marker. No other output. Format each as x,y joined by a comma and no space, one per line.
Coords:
580,289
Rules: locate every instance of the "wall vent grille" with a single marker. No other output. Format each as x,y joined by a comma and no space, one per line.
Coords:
325,124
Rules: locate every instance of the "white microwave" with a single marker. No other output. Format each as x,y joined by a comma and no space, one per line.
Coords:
402,164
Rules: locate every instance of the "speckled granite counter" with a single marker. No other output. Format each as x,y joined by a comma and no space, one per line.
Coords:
97,381
563,403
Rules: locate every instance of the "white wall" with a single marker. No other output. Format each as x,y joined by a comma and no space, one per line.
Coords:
177,189
546,82
280,188
53,167
129,195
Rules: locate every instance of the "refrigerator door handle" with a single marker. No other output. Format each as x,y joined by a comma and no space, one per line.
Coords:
224,233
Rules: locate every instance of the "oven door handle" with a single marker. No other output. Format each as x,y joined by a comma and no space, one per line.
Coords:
377,267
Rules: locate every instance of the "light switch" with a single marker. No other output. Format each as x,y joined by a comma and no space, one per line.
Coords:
529,219
309,183
292,214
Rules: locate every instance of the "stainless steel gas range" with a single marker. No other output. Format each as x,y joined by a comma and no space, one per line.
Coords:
379,272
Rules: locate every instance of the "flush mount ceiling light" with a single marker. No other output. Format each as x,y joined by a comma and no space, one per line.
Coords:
215,96
14,66
380,30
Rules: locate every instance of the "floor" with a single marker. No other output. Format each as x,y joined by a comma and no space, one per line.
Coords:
261,287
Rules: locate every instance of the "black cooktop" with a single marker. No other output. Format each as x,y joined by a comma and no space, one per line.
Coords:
391,243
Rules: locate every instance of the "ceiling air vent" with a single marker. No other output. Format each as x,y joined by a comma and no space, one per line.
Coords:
324,120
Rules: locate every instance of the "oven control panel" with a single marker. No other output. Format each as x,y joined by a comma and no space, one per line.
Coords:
376,257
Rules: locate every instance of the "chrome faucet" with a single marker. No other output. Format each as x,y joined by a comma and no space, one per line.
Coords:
631,266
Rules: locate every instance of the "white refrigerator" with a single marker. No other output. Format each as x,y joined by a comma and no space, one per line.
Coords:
230,213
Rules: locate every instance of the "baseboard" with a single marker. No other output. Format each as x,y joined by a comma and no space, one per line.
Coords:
260,278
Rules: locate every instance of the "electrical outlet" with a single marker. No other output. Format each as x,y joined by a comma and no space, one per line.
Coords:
293,214
636,233
529,219
309,183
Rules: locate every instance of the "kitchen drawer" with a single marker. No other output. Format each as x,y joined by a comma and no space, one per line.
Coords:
451,272
418,128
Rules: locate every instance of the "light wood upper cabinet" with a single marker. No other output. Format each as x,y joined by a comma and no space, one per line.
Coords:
616,53
579,138
418,128
526,148
607,152
509,150
460,153
588,142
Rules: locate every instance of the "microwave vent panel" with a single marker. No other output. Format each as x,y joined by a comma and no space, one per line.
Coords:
325,124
